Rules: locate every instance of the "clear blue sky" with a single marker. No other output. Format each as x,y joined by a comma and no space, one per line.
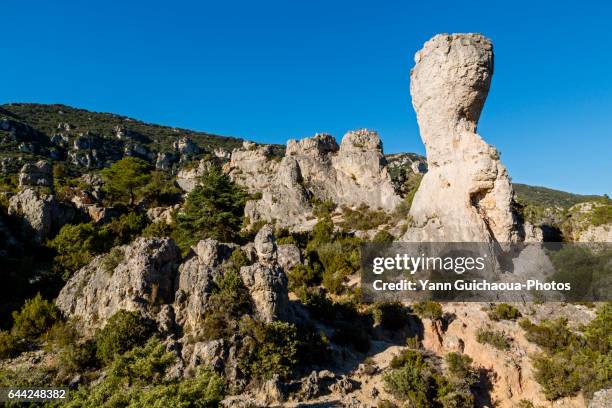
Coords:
270,71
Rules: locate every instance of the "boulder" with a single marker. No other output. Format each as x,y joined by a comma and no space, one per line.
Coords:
37,174
40,215
135,277
466,194
289,255
602,399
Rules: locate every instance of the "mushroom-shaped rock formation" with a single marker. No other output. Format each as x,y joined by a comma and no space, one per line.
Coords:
466,195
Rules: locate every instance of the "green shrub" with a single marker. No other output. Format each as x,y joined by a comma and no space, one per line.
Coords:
159,229
351,328
34,318
214,209
112,260
497,339
602,215
504,311
268,349
124,229
383,237
324,208
303,276
363,218
428,309
598,332
229,301
123,331
160,190
9,346
411,378
138,379
552,336
76,246
572,363
460,368
390,315
415,379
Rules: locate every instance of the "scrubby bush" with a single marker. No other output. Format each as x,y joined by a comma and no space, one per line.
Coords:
123,331
34,318
411,378
228,302
303,276
497,339
337,254
428,309
602,215
158,229
77,245
460,368
268,349
415,379
160,190
552,336
572,362
350,326
214,209
383,237
390,315
9,346
323,208
138,378
363,218
504,311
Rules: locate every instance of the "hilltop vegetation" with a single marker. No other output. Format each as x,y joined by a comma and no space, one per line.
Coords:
547,197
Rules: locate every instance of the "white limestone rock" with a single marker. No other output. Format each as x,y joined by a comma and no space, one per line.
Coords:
37,174
315,168
135,277
466,194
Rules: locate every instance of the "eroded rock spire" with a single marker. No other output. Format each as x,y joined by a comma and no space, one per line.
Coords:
466,195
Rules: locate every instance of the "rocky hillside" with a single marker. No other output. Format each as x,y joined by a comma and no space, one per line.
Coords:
149,266
84,139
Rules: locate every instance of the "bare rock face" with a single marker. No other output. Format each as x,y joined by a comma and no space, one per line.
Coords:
601,399
266,280
37,174
40,214
466,194
135,277
188,179
195,282
315,168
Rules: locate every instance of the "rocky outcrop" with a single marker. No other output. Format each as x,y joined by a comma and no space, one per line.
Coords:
39,214
195,282
266,280
466,194
188,178
601,399
136,277
37,174
314,169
